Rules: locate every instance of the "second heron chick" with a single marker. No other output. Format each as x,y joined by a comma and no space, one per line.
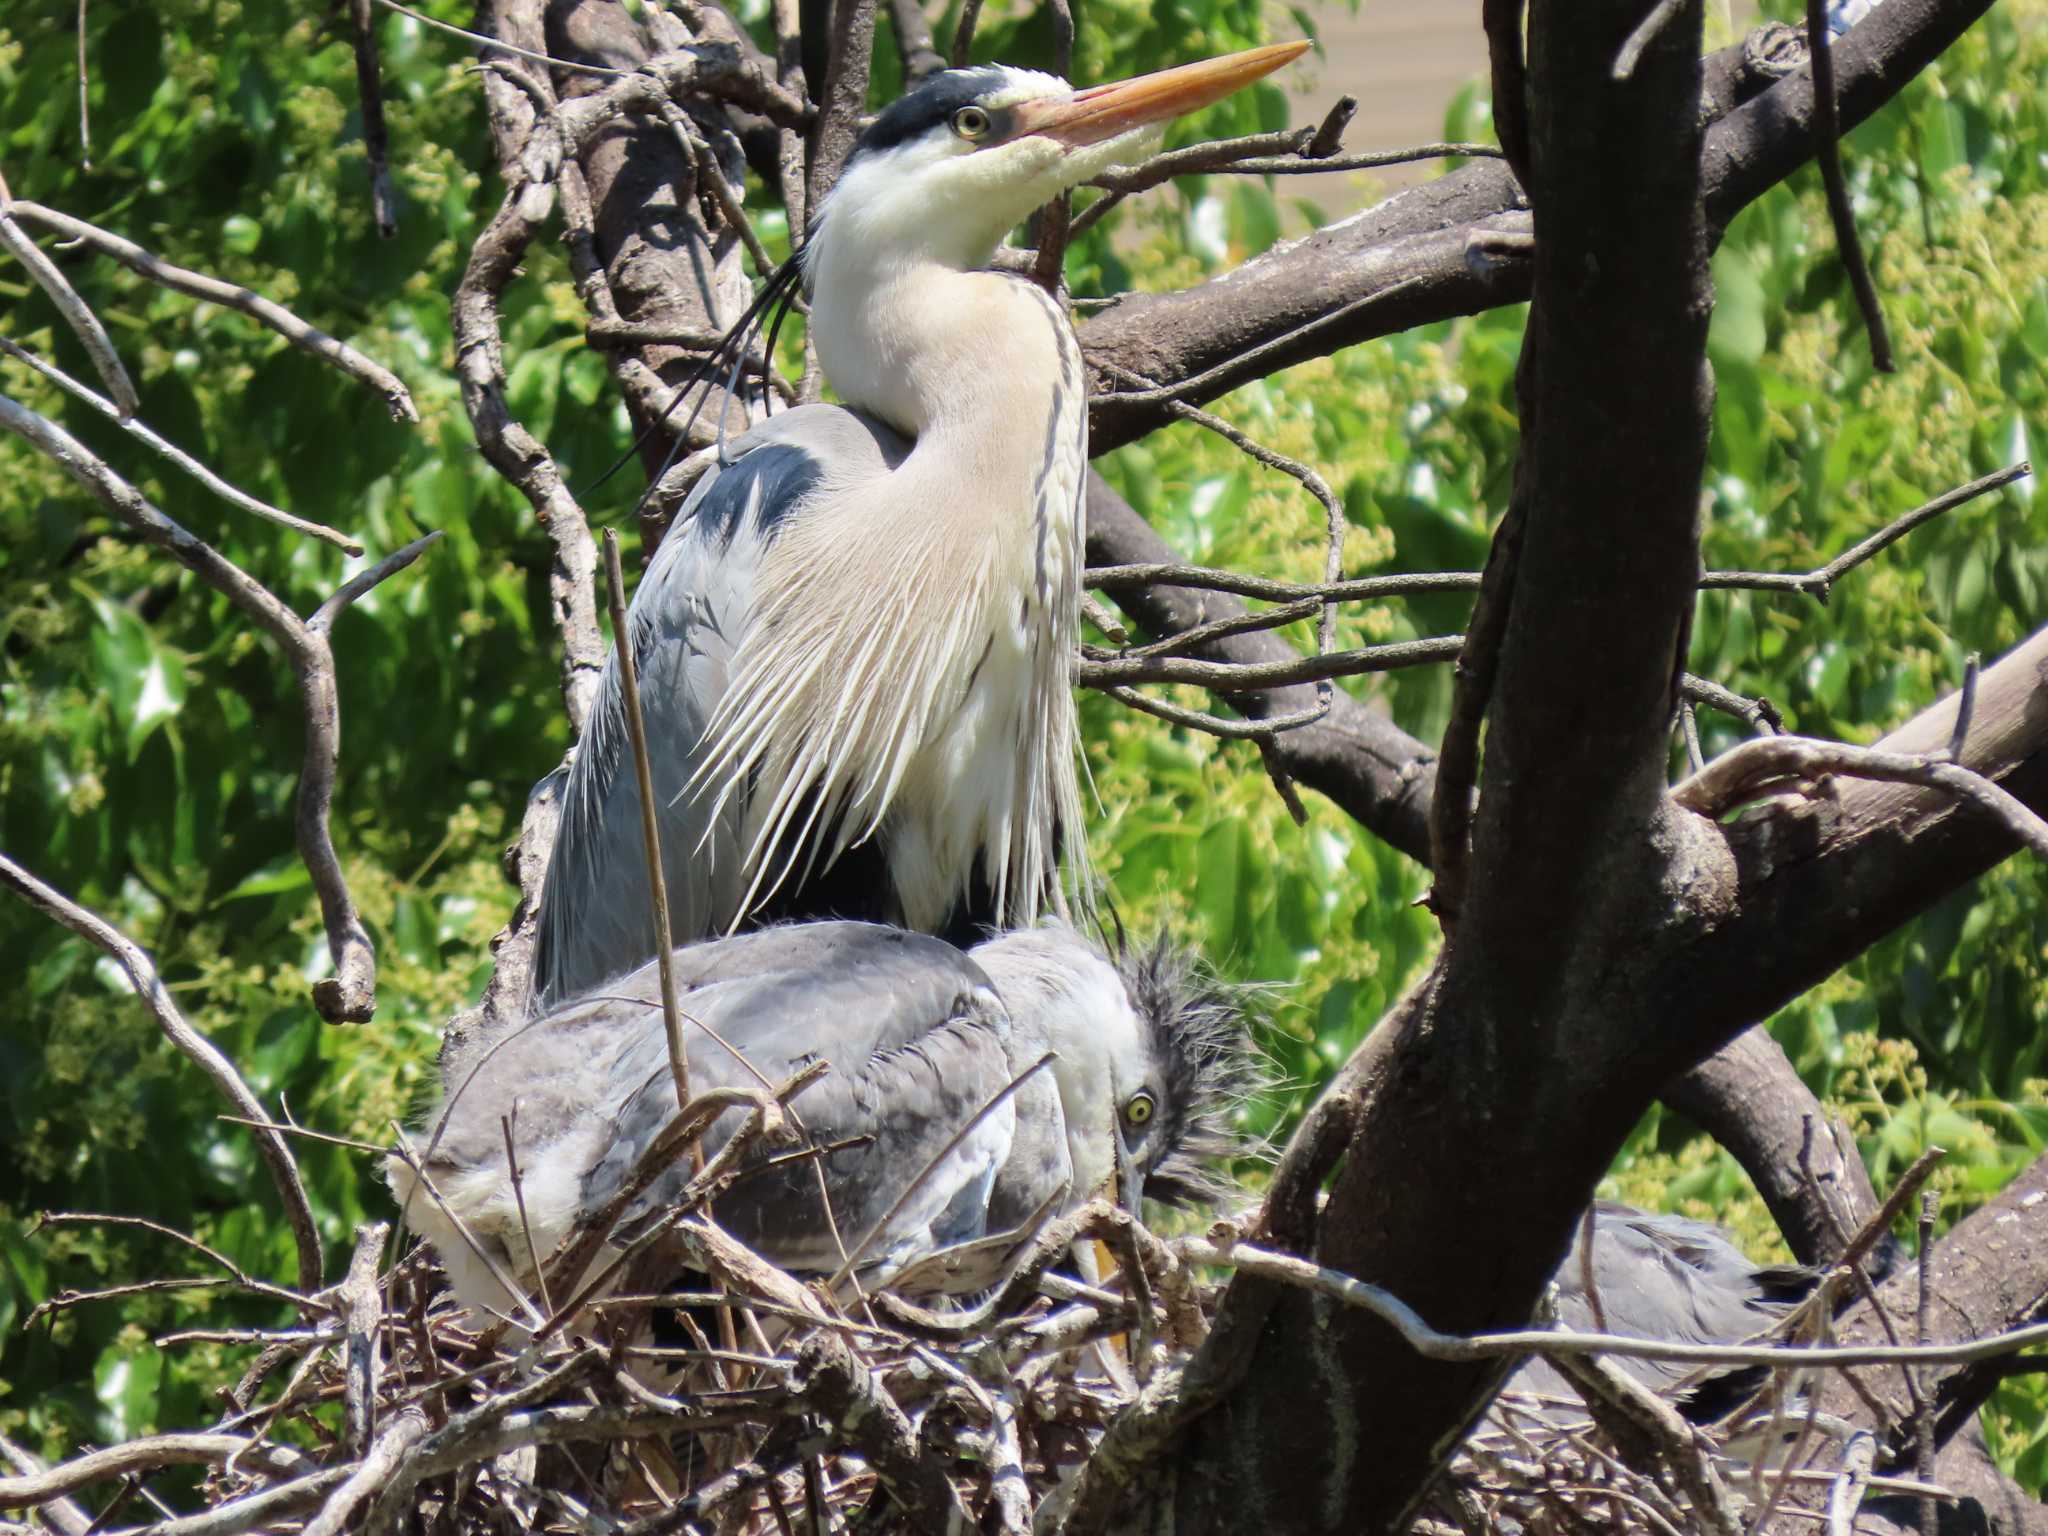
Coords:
1149,1061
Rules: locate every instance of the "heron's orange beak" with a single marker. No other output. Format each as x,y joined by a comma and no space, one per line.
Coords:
1104,111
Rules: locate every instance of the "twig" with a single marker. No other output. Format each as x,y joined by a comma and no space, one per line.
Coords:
350,994
1760,715
1635,1417
238,1515
522,458
540,1272
1923,1422
1845,1495
623,647
1231,677
1457,772
1503,22
1763,765
829,1375
914,48
76,312
146,1454
84,98
1666,12
1827,134
142,976
963,32
995,1102
1205,578
405,1431
1470,1348
197,284
1261,731
1818,582
383,205
568,66
138,430
365,1311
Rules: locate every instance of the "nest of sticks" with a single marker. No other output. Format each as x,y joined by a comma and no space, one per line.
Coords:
756,1402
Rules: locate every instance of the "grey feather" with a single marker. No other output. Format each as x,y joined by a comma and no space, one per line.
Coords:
922,1043
687,617
1666,1277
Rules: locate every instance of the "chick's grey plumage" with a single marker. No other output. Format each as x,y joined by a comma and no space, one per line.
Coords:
920,1039
1669,1278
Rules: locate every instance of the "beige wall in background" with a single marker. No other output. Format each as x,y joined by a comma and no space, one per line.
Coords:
1404,60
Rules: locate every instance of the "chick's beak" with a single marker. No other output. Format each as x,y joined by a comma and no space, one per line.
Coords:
1104,111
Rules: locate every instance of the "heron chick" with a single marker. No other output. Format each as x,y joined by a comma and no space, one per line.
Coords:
922,1041
854,645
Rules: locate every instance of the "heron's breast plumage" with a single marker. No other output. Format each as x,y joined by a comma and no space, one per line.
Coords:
908,673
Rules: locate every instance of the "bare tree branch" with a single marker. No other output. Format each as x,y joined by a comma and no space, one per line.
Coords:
85,325
350,994
136,429
197,284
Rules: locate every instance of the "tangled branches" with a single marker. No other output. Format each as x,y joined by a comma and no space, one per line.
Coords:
386,1404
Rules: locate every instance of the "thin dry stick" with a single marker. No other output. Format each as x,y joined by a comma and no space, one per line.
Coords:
1469,1348
1819,582
567,66
76,312
279,319
84,96
1765,764
350,994
1666,12
1845,1497
136,429
963,32
145,1454
1334,526
383,203
1923,1424
370,1474
1827,133
142,976
650,829
995,1102
365,1312
519,1198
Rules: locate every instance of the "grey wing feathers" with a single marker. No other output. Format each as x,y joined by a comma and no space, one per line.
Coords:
688,615
916,1041
1665,1277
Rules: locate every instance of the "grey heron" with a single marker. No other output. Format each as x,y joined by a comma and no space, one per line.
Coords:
1670,1278
920,1039
853,644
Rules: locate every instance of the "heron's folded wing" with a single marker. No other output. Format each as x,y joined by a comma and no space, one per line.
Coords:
688,615
915,1041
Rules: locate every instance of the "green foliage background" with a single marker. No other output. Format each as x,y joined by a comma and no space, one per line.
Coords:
149,741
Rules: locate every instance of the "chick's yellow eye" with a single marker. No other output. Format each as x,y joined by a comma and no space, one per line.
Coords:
1139,1109
970,123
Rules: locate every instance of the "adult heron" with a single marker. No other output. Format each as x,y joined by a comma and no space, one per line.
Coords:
853,645
922,1040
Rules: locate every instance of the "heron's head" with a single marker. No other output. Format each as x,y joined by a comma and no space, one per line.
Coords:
1154,1059
948,170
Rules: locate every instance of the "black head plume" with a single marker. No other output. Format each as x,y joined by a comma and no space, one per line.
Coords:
1200,1034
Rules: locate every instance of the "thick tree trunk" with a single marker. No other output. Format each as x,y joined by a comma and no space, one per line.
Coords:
1468,1146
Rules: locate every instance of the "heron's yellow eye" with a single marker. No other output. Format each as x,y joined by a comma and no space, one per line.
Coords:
970,123
1138,1110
